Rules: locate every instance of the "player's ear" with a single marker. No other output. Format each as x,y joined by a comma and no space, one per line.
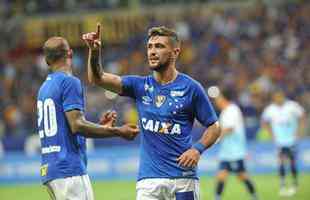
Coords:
176,51
70,53
46,60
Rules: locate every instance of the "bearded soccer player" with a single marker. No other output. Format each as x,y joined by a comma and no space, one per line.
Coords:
285,119
63,128
168,102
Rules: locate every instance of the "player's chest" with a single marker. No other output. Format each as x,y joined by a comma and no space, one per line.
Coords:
282,115
165,102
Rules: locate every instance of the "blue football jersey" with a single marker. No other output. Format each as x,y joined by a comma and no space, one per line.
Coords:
63,154
166,116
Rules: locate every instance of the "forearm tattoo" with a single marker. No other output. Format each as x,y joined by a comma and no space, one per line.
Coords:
95,63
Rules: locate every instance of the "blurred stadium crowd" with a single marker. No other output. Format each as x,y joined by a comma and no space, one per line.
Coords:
248,49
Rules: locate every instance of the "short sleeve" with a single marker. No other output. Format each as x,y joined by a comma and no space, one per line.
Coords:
266,116
230,119
130,85
72,97
298,110
203,109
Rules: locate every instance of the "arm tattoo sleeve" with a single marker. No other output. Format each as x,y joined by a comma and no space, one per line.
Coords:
95,62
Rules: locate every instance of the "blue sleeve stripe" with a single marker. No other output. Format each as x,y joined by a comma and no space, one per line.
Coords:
73,107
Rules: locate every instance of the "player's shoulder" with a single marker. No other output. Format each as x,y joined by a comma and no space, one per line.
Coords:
67,81
69,77
70,80
233,109
270,110
292,103
62,76
270,107
137,78
190,81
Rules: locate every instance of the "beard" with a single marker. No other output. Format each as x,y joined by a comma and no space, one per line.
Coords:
162,66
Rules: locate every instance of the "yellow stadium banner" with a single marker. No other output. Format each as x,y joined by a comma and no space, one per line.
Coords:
116,28
118,25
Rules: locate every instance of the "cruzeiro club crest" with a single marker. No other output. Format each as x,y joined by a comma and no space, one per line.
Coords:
159,100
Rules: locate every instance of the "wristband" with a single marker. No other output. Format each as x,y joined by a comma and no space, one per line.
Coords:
199,147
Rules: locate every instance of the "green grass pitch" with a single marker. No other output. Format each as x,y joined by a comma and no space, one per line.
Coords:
267,187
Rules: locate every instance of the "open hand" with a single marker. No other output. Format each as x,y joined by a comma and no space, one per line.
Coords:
189,159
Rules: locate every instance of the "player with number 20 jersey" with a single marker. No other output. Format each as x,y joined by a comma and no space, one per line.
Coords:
63,153
62,126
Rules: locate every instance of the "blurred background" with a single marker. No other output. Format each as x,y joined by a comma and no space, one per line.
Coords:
251,46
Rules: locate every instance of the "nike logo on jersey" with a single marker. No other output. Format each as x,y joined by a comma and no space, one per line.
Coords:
160,127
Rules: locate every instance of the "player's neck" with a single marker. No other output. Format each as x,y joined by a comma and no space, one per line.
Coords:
225,104
61,68
167,76
280,103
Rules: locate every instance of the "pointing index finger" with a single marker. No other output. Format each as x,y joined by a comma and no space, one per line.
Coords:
98,32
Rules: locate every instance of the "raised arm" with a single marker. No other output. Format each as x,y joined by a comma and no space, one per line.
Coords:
79,125
95,71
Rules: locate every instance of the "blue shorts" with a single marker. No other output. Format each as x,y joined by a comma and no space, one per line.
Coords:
233,166
289,152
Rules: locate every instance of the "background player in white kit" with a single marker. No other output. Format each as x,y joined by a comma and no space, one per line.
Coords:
285,119
233,150
168,102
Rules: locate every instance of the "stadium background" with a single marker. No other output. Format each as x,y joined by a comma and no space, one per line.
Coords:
249,46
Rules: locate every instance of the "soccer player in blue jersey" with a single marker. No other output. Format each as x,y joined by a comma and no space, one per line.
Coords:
232,143
63,128
168,102
285,120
